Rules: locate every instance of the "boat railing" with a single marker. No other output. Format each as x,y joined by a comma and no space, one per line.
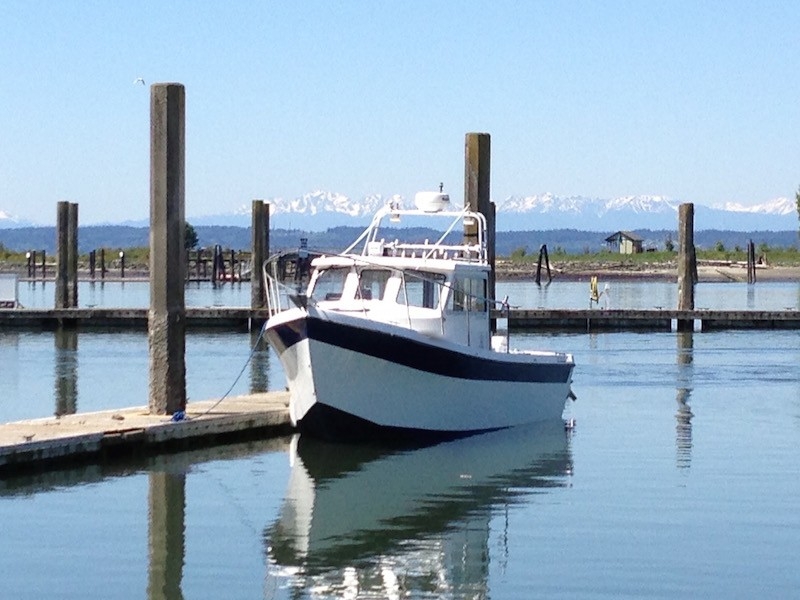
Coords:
278,294
371,244
397,249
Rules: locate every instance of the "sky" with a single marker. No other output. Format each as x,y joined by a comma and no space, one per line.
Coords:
696,101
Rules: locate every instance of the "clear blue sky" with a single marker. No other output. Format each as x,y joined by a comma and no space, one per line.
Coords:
698,101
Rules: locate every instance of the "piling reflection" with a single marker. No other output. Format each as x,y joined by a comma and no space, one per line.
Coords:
683,416
66,371
166,527
359,520
259,363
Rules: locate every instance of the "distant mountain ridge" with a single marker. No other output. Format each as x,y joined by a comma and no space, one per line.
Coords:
320,210
335,239
637,212
9,221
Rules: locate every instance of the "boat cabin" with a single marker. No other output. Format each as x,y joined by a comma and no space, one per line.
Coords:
447,300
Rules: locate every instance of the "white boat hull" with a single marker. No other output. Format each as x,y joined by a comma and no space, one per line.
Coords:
352,382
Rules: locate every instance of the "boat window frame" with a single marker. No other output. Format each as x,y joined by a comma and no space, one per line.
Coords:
433,290
383,284
468,294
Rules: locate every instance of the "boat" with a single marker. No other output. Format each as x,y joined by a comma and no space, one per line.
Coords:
392,339
372,516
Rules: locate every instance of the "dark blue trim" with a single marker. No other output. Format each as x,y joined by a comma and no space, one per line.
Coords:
414,354
287,335
333,425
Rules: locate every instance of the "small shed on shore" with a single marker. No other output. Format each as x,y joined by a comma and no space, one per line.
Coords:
624,242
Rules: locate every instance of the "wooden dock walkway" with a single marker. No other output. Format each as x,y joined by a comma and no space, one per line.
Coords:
38,444
651,319
232,318
243,319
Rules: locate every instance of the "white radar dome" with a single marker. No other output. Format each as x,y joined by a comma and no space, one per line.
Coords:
432,201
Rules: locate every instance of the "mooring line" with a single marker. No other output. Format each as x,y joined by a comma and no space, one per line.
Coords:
182,416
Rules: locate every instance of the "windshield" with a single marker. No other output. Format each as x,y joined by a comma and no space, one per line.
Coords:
329,284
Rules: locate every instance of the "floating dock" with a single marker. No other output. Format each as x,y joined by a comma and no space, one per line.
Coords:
231,318
244,319
651,319
39,444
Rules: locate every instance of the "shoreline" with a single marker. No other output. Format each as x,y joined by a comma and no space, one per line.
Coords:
706,272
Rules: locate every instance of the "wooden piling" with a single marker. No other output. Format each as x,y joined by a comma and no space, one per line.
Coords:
167,314
102,263
477,198
687,261
260,253
687,264
543,256
72,255
217,266
62,298
751,262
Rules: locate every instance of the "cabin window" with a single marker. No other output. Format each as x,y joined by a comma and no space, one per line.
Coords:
421,289
468,294
330,283
372,283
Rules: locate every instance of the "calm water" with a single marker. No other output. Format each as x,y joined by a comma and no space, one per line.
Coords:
567,294
680,479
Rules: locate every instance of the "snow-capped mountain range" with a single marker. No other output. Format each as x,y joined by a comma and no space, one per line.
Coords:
548,211
320,210
8,221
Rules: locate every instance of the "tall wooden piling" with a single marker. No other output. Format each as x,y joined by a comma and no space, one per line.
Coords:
687,261
67,255
62,297
167,315
72,255
260,253
477,198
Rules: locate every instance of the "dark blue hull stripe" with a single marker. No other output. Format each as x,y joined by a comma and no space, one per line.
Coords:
331,424
414,354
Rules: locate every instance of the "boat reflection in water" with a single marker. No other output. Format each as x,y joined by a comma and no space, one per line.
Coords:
361,520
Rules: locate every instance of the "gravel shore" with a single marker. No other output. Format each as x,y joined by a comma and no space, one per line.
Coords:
706,272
